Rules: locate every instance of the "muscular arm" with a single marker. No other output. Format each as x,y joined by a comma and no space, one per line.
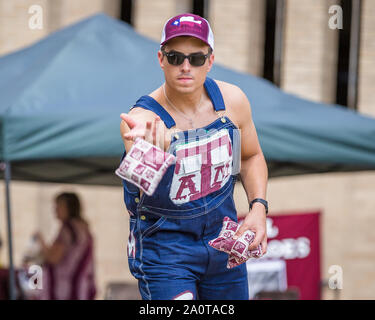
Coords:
254,172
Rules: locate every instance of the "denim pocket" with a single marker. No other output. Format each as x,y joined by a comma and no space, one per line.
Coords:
149,223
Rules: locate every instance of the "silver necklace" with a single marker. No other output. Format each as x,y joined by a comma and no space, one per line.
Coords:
180,112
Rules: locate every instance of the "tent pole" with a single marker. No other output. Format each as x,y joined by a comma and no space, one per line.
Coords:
12,282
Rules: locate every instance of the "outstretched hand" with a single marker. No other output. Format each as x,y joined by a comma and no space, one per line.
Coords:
151,131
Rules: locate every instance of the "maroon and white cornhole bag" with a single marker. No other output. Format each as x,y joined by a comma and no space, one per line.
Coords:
238,250
145,165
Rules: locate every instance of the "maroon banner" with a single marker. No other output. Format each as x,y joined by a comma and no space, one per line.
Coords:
292,259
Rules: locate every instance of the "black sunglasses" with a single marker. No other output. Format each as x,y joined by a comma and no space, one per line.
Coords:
195,59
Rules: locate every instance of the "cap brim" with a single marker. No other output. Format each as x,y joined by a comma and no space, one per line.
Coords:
185,34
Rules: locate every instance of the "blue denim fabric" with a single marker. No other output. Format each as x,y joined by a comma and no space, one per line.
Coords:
168,249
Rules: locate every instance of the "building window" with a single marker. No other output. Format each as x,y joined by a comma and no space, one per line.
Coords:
273,44
127,11
200,7
348,54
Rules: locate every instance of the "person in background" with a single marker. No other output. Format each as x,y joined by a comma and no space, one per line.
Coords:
68,263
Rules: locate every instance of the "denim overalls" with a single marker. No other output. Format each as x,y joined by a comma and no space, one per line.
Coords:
168,249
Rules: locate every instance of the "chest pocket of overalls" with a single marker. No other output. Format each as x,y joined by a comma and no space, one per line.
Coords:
202,166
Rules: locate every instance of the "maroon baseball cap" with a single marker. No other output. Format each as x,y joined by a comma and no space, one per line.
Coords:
188,24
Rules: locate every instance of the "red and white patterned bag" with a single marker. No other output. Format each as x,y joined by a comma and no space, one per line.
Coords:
145,165
238,250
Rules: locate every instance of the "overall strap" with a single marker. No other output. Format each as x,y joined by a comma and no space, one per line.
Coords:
149,103
214,93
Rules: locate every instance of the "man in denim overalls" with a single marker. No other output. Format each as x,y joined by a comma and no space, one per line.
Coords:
207,125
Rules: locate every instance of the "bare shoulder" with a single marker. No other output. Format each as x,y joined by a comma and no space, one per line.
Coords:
226,86
236,102
231,93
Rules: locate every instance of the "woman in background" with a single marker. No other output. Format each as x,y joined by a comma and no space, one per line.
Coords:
68,264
